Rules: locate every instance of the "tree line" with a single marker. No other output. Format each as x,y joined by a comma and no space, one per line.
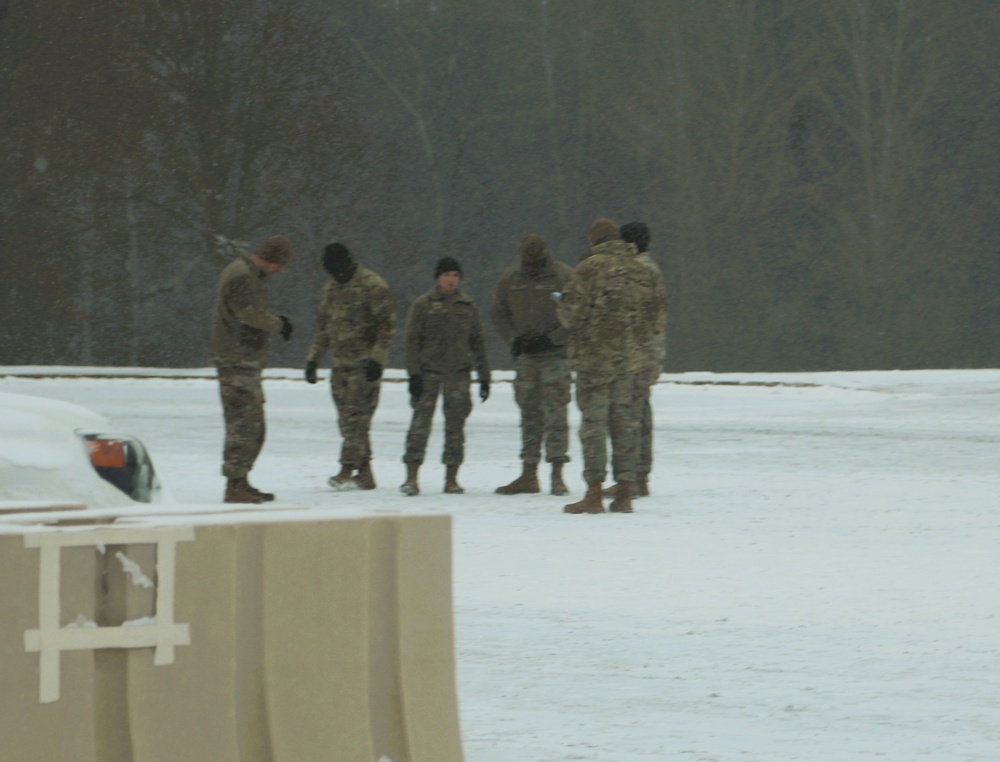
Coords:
822,179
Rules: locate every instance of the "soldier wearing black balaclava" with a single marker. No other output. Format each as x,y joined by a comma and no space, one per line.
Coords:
356,322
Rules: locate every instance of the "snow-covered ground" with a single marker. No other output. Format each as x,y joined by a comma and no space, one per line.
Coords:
816,575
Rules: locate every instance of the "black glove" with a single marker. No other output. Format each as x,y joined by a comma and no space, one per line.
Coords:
311,371
286,328
534,345
373,370
516,346
484,390
416,386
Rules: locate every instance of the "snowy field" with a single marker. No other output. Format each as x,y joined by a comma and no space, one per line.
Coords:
815,577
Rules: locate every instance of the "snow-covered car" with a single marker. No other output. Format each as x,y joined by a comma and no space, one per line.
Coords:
58,452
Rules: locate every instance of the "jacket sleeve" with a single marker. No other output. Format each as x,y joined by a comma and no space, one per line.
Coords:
574,307
660,339
384,315
477,343
500,314
239,298
321,336
559,335
414,337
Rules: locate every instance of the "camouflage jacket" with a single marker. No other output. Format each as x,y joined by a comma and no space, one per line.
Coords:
356,321
523,305
444,334
659,347
243,323
614,308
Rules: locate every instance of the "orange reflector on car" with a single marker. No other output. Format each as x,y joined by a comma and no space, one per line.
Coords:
106,453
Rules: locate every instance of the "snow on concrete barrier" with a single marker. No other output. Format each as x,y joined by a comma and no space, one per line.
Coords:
235,636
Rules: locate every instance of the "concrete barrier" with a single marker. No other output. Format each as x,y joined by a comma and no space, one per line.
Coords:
270,636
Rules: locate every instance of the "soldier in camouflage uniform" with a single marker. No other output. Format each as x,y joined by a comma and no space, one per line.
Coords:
613,309
240,337
356,321
637,234
444,341
524,315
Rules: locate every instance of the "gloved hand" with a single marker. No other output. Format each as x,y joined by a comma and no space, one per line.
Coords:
373,370
484,390
534,345
416,386
515,346
311,371
286,328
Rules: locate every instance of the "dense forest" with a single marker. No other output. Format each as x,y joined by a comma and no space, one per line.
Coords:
821,177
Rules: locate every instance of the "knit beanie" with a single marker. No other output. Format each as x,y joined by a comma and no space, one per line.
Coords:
602,229
533,249
337,258
446,265
637,233
277,250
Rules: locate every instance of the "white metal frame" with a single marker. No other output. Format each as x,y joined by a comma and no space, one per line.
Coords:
51,639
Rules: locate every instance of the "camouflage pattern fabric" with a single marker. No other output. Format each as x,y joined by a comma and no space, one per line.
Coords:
444,335
355,321
523,305
644,458
658,347
644,451
614,307
659,350
457,404
242,321
243,410
356,399
607,403
615,310
542,391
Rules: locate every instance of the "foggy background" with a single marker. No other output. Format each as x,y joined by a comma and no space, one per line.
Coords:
822,179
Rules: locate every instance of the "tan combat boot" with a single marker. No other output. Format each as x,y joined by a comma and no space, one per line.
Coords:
365,479
611,491
525,484
451,485
558,485
238,490
343,480
623,499
591,502
409,487
641,486
265,496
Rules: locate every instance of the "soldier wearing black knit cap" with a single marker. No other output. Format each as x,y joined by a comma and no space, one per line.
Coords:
444,342
614,310
637,234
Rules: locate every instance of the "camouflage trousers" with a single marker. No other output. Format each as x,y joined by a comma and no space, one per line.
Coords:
644,460
542,391
644,454
355,398
610,406
456,403
243,410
